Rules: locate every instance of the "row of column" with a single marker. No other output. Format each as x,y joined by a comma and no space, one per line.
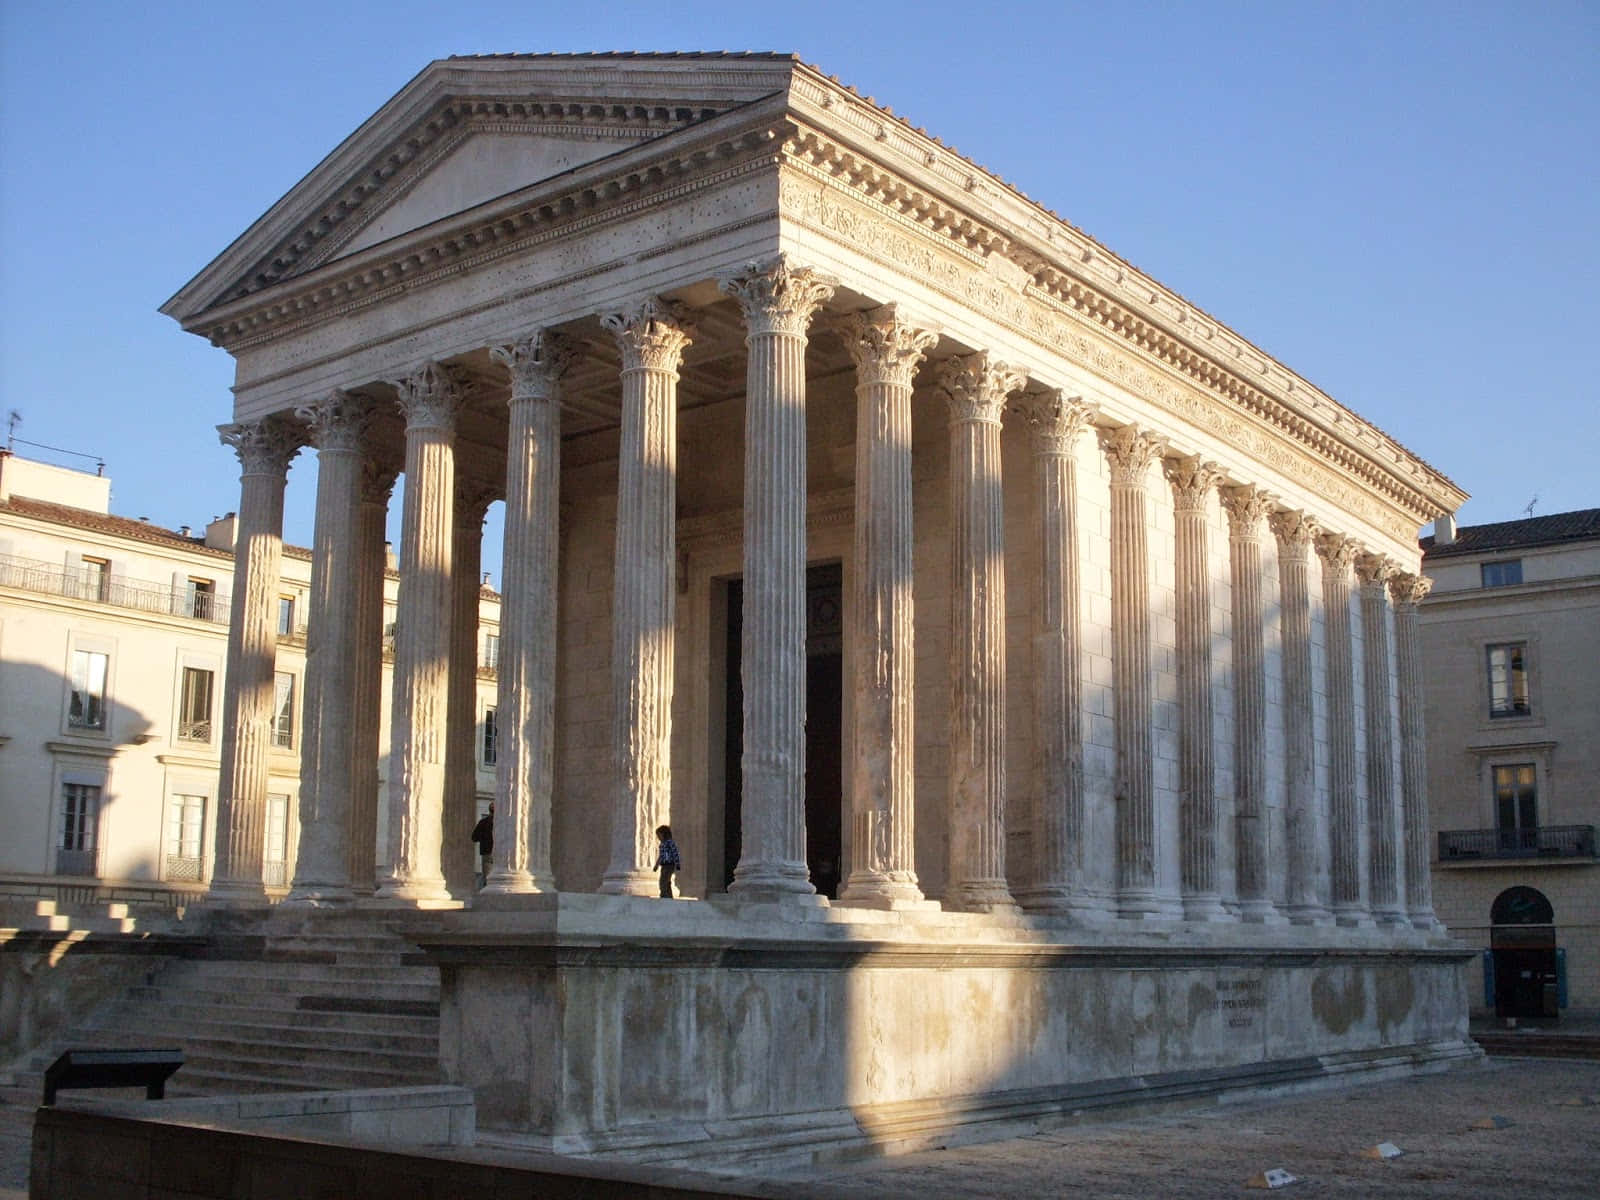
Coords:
778,302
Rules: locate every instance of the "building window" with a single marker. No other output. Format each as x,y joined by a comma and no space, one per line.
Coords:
1502,574
194,706
275,851
491,738
491,651
80,816
96,579
1516,806
283,711
200,600
186,821
285,616
87,709
1508,680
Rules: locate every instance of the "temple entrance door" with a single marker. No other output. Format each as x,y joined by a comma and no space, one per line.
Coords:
824,728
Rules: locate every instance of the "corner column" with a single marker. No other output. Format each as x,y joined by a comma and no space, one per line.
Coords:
652,337
976,388
430,401
265,449
327,747
377,484
1192,481
886,352
1247,508
1407,592
1129,451
1337,553
778,301
525,711
472,500
1375,571
1296,532
1055,421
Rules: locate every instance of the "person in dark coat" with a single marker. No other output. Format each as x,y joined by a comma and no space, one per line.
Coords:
667,862
483,835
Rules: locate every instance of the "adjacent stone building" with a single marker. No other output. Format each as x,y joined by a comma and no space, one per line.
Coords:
1511,650
1016,650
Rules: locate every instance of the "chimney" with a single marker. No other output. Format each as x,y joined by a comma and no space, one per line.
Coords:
220,533
390,558
183,531
1444,530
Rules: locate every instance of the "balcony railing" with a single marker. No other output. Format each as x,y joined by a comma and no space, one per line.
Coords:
1549,841
51,579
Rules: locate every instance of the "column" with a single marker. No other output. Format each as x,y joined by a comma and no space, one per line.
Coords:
976,388
1337,553
372,563
1296,533
1375,571
778,301
327,747
652,337
886,352
1054,423
1247,508
1130,451
525,709
265,449
430,401
1192,482
472,500
1407,592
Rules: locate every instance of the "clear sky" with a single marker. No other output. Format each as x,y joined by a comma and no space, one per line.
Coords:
1399,200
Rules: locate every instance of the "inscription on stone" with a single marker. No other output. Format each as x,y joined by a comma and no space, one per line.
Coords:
1240,998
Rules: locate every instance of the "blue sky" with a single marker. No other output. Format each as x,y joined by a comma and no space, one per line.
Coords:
1398,200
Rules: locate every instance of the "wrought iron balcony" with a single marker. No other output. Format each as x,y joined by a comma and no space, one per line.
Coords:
33,575
1548,841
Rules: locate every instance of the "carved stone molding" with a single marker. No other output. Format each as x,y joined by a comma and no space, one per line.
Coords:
264,447
337,422
430,397
536,363
1129,451
1409,589
652,335
1247,507
1296,532
884,347
976,386
1054,419
1192,480
777,297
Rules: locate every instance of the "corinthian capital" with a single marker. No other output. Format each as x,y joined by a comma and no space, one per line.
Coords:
264,447
1247,507
430,397
536,363
1337,553
777,297
337,422
1296,531
377,482
1192,480
884,348
652,335
472,500
1407,589
976,387
1054,419
1129,451
1374,570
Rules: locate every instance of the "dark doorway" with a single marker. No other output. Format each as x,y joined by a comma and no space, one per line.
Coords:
824,728
1522,939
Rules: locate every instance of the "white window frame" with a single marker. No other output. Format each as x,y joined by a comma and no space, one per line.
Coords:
180,791
293,743
285,864
1530,665
72,772
80,643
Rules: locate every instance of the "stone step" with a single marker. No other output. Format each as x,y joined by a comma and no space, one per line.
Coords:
378,1024
238,1047
297,1028
269,990
287,972
315,1074
222,1038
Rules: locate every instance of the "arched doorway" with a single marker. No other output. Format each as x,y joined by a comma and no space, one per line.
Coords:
1522,938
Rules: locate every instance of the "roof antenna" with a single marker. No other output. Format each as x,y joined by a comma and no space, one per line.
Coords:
1531,503
12,422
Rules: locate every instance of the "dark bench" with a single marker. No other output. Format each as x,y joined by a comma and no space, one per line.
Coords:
148,1069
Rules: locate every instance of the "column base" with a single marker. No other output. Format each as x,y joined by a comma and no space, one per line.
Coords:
234,894
1309,914
1146,904
871,890
1260,912
1351,916
516,883
1426,921
317,895
415,893
630,883
1060,900
770,880
1205,908
981,896
1390,918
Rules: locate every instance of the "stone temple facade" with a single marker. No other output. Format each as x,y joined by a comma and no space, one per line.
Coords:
1026,663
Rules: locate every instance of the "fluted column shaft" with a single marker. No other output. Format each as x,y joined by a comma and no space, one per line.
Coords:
265,449
430,401
1384,889
327,744
1054,423
1192,481
525,712
778,302
652,338
1337,553
1296,533
1408,591
1130,451
883,872
377,482
1247,508
472,501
